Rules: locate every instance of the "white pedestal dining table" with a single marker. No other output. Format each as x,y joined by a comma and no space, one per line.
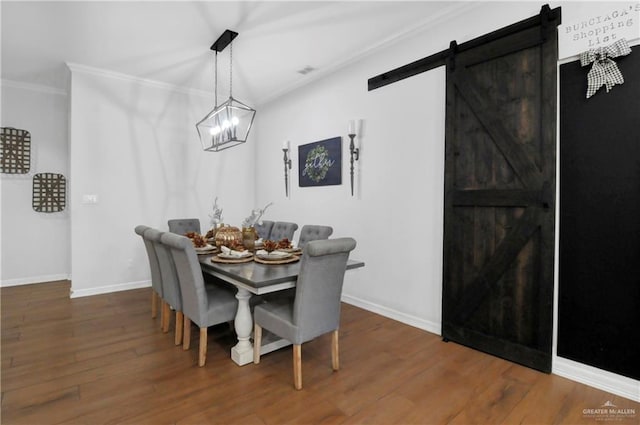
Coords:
253,278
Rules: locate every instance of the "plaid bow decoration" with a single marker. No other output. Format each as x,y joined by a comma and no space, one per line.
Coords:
604,71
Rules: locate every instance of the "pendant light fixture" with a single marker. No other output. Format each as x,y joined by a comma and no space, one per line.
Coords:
229,123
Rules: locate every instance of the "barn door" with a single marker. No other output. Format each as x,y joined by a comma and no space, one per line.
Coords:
500,194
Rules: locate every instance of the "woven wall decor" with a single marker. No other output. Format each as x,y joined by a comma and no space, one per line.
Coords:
15,150
49,192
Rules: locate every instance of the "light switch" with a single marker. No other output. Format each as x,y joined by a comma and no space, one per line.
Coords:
90,199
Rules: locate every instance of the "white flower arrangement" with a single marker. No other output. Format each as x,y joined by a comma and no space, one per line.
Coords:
255,216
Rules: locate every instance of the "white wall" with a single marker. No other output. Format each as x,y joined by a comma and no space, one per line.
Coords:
35,246
134,145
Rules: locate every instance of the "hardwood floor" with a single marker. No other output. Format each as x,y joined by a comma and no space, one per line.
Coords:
103,359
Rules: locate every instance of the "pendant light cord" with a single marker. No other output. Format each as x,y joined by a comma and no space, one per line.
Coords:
231,70
216,80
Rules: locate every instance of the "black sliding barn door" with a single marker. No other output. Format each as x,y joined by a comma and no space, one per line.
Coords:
500,194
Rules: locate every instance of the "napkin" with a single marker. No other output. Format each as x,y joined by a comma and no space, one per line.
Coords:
233,252
207,247
273,254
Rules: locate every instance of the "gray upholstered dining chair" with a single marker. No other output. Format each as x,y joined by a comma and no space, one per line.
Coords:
205,305
156,277
264,229
313,232
184,225
315,310
170,285
283,229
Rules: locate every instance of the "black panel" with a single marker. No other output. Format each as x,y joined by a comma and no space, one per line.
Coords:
223,41
599,282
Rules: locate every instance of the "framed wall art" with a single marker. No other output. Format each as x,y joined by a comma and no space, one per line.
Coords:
15,151
320,163
49,192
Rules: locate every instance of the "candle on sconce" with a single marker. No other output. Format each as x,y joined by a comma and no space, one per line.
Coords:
352,127
353,150
287,165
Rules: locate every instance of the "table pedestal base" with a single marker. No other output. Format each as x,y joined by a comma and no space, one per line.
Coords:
242,352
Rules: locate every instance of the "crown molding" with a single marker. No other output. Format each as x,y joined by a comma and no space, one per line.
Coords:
33,87
113,75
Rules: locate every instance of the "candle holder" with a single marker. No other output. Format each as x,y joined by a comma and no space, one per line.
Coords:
354,152
287,167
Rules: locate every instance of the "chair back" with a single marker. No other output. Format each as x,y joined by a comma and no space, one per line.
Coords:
313,232
170,286
194,296
283,229
316,308
156,277
184,225
264,229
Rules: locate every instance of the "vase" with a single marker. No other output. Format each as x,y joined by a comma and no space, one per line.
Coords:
249,237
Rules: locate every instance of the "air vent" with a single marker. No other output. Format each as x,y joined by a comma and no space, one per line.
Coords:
307,69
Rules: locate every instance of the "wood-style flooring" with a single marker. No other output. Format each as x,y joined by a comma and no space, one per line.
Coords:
103,359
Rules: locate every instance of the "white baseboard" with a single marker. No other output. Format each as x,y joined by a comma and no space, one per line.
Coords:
33,279
408,319
597,378
77,293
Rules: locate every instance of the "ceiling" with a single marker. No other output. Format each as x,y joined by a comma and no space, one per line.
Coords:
169,41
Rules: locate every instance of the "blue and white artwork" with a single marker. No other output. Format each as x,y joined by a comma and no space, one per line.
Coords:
320,163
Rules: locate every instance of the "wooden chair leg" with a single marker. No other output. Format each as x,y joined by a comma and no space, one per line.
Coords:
154,304
179,327
161,307
202,355
335,354
166,310
257,342
186,334
297,366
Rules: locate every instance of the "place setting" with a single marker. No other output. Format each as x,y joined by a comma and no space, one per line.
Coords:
232,256
200,243
275,257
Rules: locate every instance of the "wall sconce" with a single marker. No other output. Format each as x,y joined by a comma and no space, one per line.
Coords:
355,152
287,166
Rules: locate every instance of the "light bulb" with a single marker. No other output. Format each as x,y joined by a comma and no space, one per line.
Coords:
235,120
225,124
214,130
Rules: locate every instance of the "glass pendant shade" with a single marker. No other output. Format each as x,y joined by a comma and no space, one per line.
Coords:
227,125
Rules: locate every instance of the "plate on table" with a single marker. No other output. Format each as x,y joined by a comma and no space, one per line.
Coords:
274,255
291,250
208,249
234,257
231,259
287,260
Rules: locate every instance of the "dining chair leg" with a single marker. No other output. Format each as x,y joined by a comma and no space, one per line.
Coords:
154,304
186,335
202,355
297,366
335,353
166,309
257,342
161,308
179,327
